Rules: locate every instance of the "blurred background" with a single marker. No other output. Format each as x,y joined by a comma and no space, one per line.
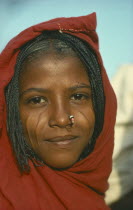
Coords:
115,23
115,30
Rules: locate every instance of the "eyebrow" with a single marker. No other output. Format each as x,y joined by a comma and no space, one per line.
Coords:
80,85
42,90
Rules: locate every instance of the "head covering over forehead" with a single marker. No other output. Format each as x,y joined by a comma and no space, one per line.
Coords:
80,187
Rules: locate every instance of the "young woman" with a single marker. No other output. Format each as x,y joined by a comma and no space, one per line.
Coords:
57,118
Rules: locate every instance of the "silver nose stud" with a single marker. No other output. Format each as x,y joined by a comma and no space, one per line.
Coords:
71,117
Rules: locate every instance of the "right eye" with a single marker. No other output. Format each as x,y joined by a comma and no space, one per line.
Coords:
37,100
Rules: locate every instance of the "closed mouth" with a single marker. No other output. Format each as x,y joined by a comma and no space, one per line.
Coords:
61,139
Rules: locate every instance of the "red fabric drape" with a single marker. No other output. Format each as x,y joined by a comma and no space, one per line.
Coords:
79,187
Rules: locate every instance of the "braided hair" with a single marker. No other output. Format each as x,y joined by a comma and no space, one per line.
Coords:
62,44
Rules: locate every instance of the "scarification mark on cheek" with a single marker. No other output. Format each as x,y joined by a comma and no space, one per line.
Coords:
35,126
87,117
41,126
31,125
90,118
29,130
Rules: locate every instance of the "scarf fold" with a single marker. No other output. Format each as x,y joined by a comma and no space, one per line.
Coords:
80,187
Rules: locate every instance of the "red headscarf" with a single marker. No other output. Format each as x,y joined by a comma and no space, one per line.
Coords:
80,187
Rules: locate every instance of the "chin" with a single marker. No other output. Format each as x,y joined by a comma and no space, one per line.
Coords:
61,164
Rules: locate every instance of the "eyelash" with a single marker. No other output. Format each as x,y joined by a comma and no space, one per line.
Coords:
77,97
80,97
36,100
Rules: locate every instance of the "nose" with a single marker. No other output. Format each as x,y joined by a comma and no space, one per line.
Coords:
60,115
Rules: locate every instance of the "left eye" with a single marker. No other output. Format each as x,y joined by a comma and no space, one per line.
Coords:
79,96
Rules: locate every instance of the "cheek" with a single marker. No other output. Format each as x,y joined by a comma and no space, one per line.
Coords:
34,124
90,117
87,121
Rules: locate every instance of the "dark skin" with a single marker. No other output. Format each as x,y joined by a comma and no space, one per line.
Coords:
51,89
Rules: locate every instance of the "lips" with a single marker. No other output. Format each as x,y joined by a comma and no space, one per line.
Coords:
62,142
61,138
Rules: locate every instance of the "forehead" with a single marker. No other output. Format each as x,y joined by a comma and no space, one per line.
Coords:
54,64
52,71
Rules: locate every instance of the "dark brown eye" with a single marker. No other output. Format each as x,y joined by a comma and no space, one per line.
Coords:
79,96
37,100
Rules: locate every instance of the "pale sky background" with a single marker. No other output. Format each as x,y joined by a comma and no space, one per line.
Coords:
114,17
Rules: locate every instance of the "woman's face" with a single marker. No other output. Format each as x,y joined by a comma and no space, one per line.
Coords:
52,89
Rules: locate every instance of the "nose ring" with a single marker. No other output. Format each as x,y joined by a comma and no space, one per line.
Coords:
71,117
